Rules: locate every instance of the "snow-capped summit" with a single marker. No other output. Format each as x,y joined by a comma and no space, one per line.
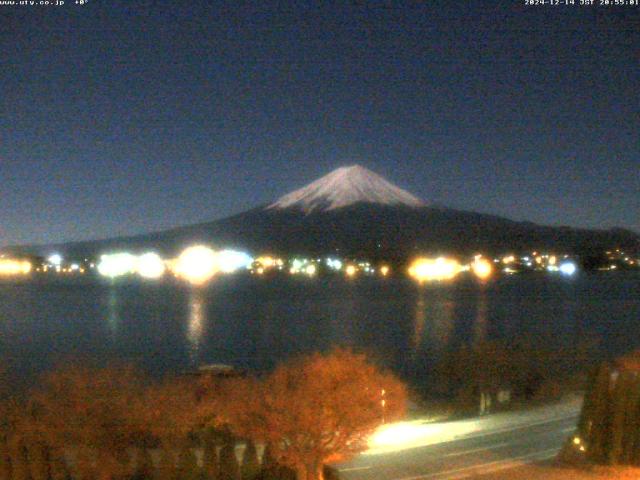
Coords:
346,186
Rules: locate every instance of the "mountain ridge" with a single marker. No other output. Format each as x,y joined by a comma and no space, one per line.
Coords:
377,220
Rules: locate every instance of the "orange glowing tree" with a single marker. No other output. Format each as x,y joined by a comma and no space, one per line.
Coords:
316,409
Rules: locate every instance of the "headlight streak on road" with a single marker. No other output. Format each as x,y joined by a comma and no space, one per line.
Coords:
404,435
501,442
395,437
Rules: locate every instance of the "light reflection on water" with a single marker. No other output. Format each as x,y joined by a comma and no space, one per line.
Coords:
195,325
433,320
260,322
440,309
113,313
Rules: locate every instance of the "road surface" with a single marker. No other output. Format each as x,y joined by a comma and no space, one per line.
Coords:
464,449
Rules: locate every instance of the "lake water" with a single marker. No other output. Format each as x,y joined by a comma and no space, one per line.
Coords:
255,322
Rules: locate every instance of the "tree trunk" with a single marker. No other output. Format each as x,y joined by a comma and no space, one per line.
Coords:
312,471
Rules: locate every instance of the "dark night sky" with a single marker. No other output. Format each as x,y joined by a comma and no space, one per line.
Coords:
122,117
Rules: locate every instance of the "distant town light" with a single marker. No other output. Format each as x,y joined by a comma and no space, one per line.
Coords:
384,270
567,268
266,261
334,264
116,264
351,270
150,265
310,270
482,268
196,264
55,259
429,269
230,261
10,267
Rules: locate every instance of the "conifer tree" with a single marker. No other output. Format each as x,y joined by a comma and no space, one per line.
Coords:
598,423
58,467
615,446
632,420
167,466
269,465
5,460
20,463
210,460
229,469
250,465
144,465
271,469
586,414
39,461
188,465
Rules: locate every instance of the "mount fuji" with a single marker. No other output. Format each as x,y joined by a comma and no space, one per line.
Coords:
353,211
343,187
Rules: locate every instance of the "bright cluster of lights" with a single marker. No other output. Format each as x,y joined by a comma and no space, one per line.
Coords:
568,268
267,262
482,268
304,266
508,259
55,259
9,267
366,268
115,265
334,264
429,269
150,265
230,261
197,264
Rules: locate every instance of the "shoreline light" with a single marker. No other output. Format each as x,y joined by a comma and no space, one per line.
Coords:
197,264
150,265
482,268
567,268
229,261
117,264
429,269
55,259
14,267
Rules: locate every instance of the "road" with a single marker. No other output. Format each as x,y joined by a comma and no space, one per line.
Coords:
464,449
